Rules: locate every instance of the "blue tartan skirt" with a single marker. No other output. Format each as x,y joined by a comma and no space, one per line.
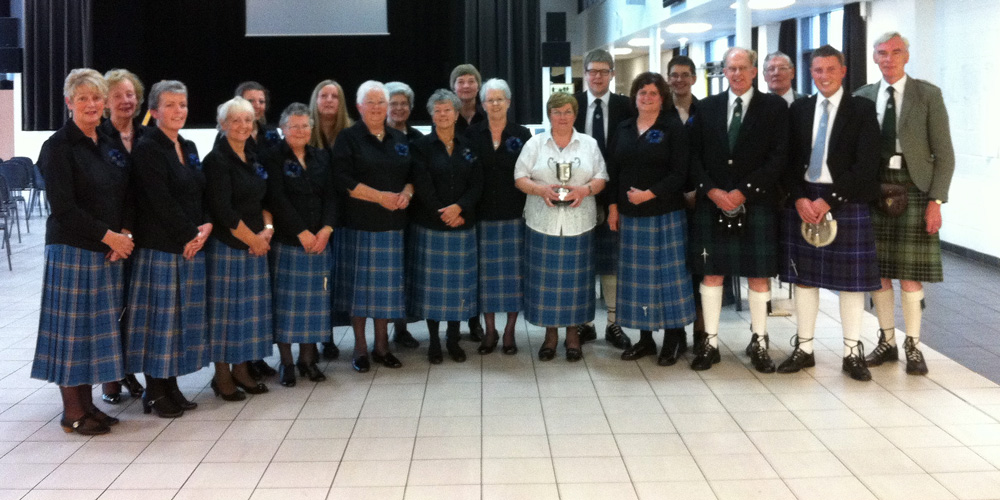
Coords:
166,315
560,287
79,337
501,265
605,249
302,287
849,264
240,326
369,274
654,285
445,274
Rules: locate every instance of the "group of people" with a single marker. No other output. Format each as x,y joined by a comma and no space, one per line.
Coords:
159,261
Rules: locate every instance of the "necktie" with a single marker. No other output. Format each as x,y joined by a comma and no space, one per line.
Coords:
888,148
734,124
597,125
819,145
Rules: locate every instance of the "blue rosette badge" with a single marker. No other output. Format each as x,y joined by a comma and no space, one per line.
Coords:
402,149
116,158
261,172
514,144
469,157
292,168
654,136
193,161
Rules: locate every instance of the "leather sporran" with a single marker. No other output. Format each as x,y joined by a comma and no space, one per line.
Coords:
893,199
822,234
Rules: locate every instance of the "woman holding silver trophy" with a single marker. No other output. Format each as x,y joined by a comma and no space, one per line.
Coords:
560,170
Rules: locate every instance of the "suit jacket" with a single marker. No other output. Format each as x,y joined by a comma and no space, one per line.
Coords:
620,108
759,156
924,135
852,153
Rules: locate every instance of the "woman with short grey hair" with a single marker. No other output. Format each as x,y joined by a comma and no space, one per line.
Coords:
400,105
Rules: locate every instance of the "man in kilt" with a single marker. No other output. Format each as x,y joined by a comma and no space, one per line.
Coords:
600,113
738,151
833,164
916,153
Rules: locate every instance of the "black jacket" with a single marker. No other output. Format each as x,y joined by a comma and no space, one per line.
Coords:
440,180
234,192
852,153
300,199
620,108
358,157
656,160
501,199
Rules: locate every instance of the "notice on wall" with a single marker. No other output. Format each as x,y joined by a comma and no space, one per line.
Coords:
316,18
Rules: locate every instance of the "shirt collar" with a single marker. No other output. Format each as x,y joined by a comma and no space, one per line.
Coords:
574,138
604,98
745,97
834,99
899,86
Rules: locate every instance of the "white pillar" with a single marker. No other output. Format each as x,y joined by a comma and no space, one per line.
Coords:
655,46
546,93
743,26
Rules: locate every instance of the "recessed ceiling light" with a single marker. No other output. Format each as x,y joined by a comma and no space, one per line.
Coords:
767,4
621,51
688,28
640,41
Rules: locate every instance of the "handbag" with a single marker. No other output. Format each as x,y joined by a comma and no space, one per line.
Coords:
893,199
822,234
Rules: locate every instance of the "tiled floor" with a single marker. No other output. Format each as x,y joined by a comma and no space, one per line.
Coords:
501,427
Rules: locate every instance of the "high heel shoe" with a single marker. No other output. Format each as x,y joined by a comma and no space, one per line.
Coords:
85,426
112,398
131,383
175,394
286,374
434,355
263,368
310,370
387,360
455,351
235,396
259,388
509,350
103,418
488,348
155,398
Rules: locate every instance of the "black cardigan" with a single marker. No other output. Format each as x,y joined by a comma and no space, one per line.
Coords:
656,160
359,157
440,180
234,192
501,199
301,199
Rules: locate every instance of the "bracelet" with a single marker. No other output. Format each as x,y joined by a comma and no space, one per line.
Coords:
590,190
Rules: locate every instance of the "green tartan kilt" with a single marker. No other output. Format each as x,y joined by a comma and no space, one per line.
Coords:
753,254
905,250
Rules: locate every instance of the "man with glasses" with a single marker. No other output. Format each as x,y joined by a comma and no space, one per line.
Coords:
779,71
600,113
739,148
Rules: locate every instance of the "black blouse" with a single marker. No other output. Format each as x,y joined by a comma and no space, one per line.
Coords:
360,158
301,199
413,134
234,192
169,194
87,187
656,160
461,126
501,199
138,130
440,180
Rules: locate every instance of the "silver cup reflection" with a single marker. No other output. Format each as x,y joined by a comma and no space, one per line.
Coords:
564,172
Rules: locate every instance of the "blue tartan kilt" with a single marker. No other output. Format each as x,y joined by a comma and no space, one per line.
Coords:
501,265
301,294
240,325
560,287
371,281
605,250
341,275
654,285
166,315
445,274
79,336
849,264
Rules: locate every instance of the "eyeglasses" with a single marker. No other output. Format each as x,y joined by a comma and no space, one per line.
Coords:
298,127
678,76
494,102
778,69
739,69
561,114
598,72
375,103
396,105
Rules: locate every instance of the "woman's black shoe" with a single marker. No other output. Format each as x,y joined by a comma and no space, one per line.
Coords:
669,354
175,394
509,350
361,364
574,354
546,353
639,350
103,418
112,399
387,360
405,339
164,406
131,383
311,370
235,396
86,426
488,348
259,388
434,355
330,351
455,352
263,368
286,375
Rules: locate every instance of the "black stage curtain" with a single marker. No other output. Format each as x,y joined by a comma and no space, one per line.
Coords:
855,45
788,44
57,39
502,39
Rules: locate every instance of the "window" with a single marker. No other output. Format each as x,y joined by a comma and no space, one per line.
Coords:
814,32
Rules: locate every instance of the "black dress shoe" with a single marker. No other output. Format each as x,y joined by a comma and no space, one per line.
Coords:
131,383
672,350
638,350
434,354
855,366
883,352
475,329
455,352
361,364
797,361
587,332
102,417
253,371
235,396
85,426
257,388
509,350
330,351
286,375
311,370
488,348
759,357
708,356
699,340
263,368
750,348
574,354
163,405
112,399
405,339
387,360
614,335
546,353
915,364
174,392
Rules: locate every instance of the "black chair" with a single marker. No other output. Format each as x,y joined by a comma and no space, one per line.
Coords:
5,220
17,170
9,207
37,191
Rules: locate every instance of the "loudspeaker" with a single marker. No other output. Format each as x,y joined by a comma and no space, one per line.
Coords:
9,29
555,54
11,59
555,26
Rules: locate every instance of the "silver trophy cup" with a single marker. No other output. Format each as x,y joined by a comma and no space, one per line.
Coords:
564,172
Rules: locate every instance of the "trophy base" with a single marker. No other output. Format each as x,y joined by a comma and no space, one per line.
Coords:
562,201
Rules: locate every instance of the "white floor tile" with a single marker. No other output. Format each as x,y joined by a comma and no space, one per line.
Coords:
516,446
829,488
299,475
499,471
446,447
906,487
596,491
445,472
751,489
510,491
590,470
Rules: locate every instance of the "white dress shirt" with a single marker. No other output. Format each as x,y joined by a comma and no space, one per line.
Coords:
588,128
825,177
883,99
745,100
789,96
533,163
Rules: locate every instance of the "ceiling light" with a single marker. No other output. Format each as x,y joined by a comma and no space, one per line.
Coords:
640,41
621,51
767,4
688,28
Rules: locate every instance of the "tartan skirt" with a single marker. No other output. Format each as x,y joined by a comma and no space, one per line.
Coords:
754,253
370,274
301,294
501,265
166,315
560,286
341,275
605,250
445,274
240,326
79,337
905,250
847,265
654,286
